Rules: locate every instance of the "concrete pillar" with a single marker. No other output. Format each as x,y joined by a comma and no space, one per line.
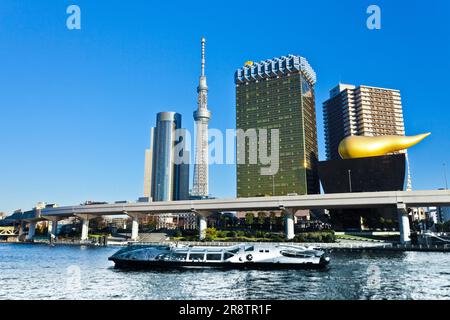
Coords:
52,229
84,229
135,229
289,224
31,231
403,221
202,225
21,228
55,227
49,227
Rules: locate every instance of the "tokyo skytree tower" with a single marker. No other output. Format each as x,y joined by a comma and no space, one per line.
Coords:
201,117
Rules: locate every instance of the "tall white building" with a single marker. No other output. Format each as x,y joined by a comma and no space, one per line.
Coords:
201,117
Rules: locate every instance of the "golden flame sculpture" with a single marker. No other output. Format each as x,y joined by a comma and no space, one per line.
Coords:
362,147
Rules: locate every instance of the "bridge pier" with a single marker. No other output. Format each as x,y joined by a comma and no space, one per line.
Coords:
21,228
289,223
85,229
84,225
134,225
31,231
201,223
403,221
135,229
202,226
52,229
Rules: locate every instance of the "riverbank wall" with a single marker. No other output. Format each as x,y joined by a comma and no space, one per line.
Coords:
338,246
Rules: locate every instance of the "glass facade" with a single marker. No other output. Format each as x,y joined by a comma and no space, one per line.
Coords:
286,102
170,181
372,174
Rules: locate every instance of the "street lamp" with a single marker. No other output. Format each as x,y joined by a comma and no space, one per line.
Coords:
350,180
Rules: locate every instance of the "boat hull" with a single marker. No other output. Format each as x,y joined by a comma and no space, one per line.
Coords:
142,265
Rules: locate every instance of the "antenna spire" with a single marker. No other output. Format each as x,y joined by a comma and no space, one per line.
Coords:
203,56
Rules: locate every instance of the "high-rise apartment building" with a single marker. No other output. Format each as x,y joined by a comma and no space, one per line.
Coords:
279,94
166,177
360,111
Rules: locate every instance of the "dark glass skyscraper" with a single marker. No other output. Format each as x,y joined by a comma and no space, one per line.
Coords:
279,94
165,178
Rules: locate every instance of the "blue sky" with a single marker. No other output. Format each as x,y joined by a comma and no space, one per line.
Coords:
76,106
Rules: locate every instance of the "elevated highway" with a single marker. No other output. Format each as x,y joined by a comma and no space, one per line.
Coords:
321,201
289,204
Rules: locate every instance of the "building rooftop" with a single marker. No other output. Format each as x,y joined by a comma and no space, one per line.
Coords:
253,71
341,87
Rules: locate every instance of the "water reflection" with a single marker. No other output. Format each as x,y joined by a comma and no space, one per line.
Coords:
42,272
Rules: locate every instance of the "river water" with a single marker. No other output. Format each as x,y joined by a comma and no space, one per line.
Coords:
72,272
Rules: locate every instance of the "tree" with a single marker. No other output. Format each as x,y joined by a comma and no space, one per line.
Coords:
272,219
261,217
223,221
382,222
249,217
283,215
447,226
97,224
40,228
211,234
151,224
389,223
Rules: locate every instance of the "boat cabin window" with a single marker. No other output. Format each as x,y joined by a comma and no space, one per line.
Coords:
214,256
235,250
251,248
180,256
263,250
197,256
293,254
162,256
227,255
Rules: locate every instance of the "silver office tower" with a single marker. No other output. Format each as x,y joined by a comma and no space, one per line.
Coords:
166,176
201,117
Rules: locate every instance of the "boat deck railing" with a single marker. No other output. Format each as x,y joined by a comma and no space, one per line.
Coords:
232,244
335,245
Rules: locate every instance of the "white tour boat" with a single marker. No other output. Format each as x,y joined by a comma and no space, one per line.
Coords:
258,255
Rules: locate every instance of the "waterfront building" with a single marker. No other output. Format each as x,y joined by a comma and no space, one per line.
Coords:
201,117
369,174
165,178
279,94
418,214
187,221
433,214
444,214
363,111
438,214
360,111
